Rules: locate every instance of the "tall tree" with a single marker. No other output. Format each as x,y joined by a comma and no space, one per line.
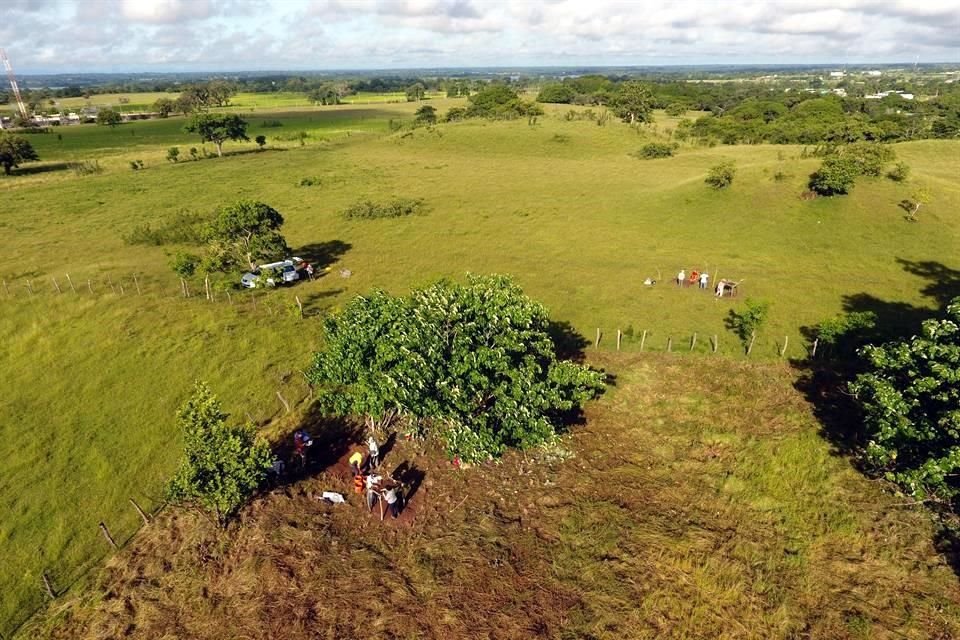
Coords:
165,106
243,234
218,128
415,92
14,150
223,465
109,117
426,114
632,102
219,92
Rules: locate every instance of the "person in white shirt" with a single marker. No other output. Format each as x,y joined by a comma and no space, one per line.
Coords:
681,277
704,278
393,501
374,448
372,490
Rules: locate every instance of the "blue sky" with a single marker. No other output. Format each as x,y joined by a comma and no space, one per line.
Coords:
44,36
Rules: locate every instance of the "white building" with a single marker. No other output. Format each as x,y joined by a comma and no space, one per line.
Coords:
837,74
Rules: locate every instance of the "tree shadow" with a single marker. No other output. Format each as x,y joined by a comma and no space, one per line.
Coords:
323,254
243,152
39,168
411,477
318,303
387,446
332,439
568,342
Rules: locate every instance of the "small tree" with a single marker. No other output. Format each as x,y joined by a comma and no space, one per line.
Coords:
415,92
218,128
720,176
632,103
746,323
426,115
184,264
261,141
164,106
919,197
900,172
108,117
173,154
911,401
835,176
223,464
243,234
14,150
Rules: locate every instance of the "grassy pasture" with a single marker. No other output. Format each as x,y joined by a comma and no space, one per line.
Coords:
561,205
699,502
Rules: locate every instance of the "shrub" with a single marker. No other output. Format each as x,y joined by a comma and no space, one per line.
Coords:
173,154
869,158
369,210
560,137
911,403
309,181
194,153
835,176
847,332
136,165
185,227
899,172
721,176
655,150
223,464
261,141
184,264
676,109
267,124
455,114
746,323
87,167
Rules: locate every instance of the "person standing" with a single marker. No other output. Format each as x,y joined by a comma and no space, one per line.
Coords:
681,277
309,270
374,460
393,501
373,490
720,287
356,460
704,279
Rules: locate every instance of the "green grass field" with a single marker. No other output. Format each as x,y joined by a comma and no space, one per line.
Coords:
93,379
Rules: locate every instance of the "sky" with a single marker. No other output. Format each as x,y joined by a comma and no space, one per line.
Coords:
75,36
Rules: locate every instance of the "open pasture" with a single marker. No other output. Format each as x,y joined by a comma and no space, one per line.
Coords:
93,378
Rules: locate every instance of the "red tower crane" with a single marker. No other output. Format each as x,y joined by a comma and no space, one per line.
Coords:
13,84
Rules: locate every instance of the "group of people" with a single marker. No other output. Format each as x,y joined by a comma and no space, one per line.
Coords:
375,485
702,280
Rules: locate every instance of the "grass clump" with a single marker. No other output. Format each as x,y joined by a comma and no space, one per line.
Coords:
369,210
309,181
87,167
185,227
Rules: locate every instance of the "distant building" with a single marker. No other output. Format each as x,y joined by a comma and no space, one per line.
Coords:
837,74
874,73
840,91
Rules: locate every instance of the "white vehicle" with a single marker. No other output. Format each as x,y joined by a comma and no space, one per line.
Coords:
273,274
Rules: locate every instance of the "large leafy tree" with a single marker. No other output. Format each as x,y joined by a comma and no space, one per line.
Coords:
14,150
911,401
109,117
218,128
223,464
632,102
243,234
470,364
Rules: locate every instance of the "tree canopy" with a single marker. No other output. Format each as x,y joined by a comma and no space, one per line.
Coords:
472,365
242,234
223,465
14,150
109,117
632,102
218,128
910,396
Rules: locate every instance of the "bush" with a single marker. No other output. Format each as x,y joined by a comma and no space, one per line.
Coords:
309,181
136,165
268,124
185,227
868,158
911,403
746,323
848,332
184,264
721,176
455,114
87,167
835,176
676,109
655,150
223,464
557,93
261,141
369,210
173,154
900,172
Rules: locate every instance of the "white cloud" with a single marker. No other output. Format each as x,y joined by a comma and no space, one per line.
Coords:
233,34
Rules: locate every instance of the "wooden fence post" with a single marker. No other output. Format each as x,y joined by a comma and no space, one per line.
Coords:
89,286
229,298
286,405
716,343
106,534
206,286
110,282
669,344
121,288
300,305
786,341
596,345
143,516
57,285
619,336
70,280
137,282
30,286
693,341
643,339
46,585
6,288
816,341
753,336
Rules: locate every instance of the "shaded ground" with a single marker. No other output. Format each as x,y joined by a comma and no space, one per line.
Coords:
697,500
